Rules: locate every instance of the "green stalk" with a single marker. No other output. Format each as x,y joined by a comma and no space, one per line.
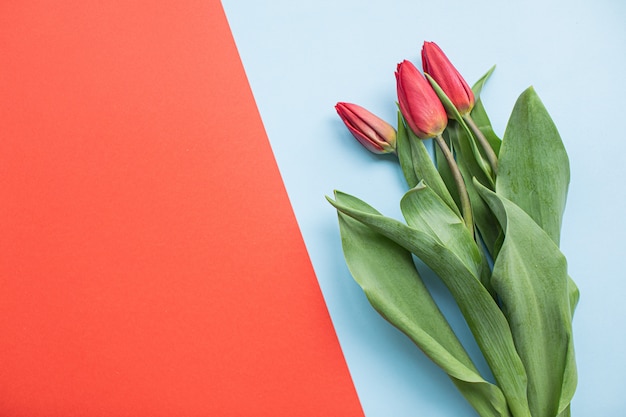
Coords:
466,207
491,155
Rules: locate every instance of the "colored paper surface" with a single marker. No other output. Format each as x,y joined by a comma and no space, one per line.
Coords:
302,57
150,261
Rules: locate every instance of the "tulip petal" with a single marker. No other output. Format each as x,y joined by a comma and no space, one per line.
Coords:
371,131
418,102
438,66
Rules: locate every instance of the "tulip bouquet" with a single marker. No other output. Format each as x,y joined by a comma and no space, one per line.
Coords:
485,216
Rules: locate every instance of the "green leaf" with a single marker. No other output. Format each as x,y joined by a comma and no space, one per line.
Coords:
485,221
386,273
534,168
489,229
484,317
405,153
533,165
483,218
530,276
478,85
479,114
444,169
418,165
423,210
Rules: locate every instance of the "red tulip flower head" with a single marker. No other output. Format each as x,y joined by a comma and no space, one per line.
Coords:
370,130
438,66
419,103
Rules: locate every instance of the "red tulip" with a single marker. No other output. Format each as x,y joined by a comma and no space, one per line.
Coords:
370,130
438,66
419,103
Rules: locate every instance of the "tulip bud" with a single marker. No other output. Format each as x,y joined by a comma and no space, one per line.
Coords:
419,103
438,66
370,130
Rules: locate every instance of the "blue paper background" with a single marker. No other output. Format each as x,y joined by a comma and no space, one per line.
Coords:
301,57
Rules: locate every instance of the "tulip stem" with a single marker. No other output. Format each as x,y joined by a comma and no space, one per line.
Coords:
466,207
491,155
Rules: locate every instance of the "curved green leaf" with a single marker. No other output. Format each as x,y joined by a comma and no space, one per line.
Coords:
484,219
484,317
534,168
386,273
530,276
405,154
478,85
533,165
479,114
418,165
425,211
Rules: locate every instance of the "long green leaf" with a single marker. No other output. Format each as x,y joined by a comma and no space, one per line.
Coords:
478,85
425,211
534,168
479,114
444,169
405,153
418,165
484,317
387,274
530,276
485,221
533,165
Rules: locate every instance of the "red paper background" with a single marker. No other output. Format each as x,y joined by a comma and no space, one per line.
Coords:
150,263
